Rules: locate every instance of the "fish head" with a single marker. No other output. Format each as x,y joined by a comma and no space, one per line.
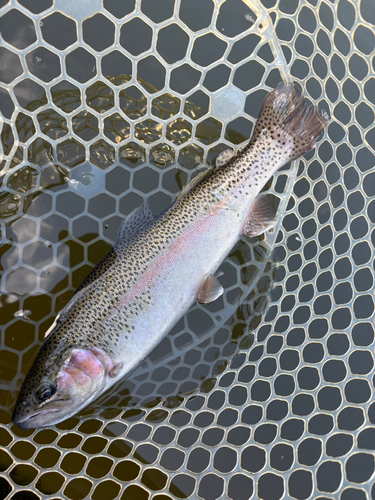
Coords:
59,385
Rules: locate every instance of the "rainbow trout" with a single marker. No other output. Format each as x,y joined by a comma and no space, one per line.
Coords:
160,265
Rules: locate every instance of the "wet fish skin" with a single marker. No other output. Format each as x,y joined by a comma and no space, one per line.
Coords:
158,267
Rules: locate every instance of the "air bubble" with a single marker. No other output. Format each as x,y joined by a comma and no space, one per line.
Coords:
22,314
249,18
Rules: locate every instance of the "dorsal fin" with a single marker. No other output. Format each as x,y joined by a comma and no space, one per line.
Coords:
137,219
193,183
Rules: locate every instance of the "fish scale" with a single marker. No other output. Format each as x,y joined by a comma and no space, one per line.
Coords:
155,271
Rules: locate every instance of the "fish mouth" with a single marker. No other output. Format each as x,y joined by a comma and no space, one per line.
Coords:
37,420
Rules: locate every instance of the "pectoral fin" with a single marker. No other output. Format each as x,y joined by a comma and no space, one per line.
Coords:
260,219
210,290
116,370
111,368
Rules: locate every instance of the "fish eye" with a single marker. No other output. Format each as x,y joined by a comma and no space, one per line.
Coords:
45,392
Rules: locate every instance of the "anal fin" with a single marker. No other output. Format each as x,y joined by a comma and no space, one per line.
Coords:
261,218
210,290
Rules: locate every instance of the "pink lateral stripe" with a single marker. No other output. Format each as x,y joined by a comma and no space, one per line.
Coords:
168,256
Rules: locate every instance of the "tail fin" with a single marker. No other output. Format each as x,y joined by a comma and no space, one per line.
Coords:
289,121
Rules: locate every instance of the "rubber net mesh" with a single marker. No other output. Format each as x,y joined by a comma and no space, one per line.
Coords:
265,393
